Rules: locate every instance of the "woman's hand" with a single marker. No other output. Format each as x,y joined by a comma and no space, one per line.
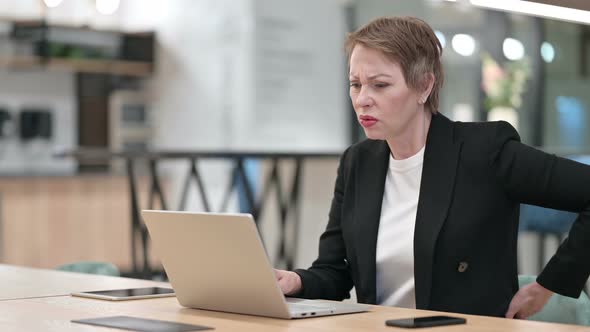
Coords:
528,301
289,281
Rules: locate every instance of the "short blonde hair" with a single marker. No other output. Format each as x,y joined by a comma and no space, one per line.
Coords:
409,42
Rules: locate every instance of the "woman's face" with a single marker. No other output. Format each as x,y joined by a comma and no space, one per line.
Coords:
385,106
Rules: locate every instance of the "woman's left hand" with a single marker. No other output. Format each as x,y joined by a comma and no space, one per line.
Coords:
528,301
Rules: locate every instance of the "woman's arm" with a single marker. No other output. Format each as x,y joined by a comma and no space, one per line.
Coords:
533,177
329,276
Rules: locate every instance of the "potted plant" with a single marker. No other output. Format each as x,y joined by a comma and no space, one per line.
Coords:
503,86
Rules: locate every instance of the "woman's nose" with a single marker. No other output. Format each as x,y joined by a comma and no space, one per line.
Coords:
363,99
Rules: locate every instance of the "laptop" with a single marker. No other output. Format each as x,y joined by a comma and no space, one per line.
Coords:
216,261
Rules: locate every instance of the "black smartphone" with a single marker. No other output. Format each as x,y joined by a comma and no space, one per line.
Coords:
428,321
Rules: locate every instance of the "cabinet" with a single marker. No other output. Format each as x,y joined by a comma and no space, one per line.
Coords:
49,221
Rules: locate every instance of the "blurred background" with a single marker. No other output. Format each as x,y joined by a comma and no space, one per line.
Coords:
111,106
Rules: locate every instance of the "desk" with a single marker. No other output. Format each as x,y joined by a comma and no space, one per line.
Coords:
54,313
23,282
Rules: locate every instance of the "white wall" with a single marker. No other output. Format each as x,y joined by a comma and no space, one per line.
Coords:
217,86
211,87
299,85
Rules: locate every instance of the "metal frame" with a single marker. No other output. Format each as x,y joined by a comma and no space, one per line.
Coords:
289,204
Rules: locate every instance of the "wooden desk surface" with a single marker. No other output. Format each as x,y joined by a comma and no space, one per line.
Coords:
24,282
39,303
55,314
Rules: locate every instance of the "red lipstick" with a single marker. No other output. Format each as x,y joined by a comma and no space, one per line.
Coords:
367,121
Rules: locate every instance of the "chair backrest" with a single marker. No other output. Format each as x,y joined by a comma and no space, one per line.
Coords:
561,309
543,220
548,221
101,268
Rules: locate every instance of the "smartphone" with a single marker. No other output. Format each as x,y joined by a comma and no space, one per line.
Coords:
428,321
128,293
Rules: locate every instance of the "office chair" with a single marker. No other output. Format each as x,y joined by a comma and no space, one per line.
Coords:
89,267
546,223
561,309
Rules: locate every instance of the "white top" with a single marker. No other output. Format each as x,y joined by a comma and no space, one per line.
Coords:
395,240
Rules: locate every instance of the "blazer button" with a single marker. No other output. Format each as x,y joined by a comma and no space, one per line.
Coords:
462,267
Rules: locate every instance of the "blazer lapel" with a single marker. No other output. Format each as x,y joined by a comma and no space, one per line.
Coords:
436,189
370,181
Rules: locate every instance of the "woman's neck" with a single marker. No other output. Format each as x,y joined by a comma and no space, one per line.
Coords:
413,139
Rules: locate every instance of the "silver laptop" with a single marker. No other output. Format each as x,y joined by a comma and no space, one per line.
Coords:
217,262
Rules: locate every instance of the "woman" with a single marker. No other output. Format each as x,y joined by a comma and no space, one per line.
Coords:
425,212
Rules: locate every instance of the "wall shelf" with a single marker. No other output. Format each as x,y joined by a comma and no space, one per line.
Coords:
112,67
79,49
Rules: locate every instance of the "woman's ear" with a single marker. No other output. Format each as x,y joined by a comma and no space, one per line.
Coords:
427,84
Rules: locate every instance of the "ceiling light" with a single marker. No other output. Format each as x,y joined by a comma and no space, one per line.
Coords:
107,7
547,52
441,38
52,3
463,44
536,9
513,49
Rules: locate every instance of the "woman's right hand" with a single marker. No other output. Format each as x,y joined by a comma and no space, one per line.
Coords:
289,281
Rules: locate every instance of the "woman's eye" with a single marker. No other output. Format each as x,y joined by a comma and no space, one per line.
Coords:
381,85
355,85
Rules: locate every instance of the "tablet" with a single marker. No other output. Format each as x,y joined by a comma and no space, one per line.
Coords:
141,324
128,293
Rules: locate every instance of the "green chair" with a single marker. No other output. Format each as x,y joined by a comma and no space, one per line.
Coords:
101,268
561,309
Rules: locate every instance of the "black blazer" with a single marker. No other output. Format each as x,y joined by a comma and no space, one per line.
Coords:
474,177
